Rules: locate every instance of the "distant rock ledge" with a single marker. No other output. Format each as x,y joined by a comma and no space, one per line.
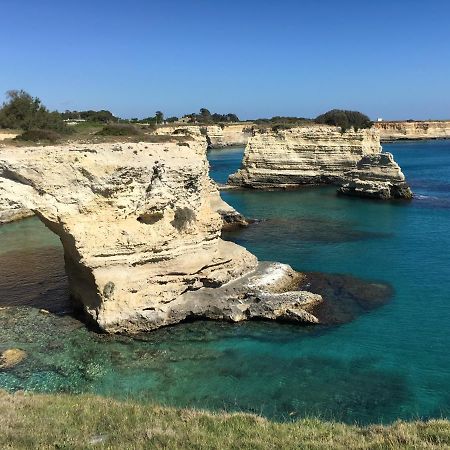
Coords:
319,154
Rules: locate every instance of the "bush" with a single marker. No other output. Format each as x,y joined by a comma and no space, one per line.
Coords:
119,129
25,112
39,136
345,119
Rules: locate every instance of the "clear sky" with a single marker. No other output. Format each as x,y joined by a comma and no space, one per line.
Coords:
389,59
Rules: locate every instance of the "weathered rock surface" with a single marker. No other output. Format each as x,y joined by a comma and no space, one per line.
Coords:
377,176
228,135
432,129
11,211
318,154
217,136
303,155
141,235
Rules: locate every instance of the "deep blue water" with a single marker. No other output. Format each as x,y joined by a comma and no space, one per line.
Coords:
390,363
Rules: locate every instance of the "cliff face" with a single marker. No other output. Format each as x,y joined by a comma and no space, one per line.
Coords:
391,131
141,235
229,135
303,155
377,176
217,136
308,155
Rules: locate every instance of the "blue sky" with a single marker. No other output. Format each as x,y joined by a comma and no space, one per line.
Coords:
254,58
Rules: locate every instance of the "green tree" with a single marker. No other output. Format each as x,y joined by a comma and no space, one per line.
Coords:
159,116
25,112
345,119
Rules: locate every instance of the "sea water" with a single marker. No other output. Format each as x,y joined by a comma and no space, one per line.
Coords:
389,363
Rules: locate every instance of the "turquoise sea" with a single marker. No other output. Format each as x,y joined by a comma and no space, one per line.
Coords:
392,362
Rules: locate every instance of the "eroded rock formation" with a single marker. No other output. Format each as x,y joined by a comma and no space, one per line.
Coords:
319,154
377,176
141,235
217,136
432,129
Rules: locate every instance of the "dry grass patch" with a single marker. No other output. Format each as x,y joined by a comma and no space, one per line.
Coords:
70,421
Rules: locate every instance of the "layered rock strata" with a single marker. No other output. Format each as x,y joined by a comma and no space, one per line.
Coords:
141,235
316,155
217,136
432,129
377,176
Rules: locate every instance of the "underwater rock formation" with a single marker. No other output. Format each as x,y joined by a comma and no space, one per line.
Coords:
315,154
141,235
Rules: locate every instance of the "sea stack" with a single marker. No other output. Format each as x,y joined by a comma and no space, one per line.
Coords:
141,233
319,154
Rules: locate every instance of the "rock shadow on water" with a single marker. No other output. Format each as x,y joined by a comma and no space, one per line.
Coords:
314,230
35,278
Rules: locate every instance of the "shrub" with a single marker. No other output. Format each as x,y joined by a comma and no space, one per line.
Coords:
345,119
25,112
119,129
39,136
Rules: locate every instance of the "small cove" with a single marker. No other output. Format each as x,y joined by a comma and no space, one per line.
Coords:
389,363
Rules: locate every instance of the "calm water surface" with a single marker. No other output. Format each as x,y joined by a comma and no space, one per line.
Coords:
390,363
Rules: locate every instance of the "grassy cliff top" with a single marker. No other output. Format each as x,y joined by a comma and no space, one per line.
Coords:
84,421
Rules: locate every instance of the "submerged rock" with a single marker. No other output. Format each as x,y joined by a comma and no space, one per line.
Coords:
11,358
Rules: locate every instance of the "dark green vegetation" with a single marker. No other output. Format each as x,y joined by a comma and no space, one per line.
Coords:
345,119
81,421
205,117
119,129
102,116
24,112
43,136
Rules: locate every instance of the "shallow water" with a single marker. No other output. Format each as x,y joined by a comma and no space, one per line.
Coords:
391,362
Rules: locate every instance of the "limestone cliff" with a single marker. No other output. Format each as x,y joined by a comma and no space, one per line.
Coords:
433,129
217,136
377,176
141,235
314,154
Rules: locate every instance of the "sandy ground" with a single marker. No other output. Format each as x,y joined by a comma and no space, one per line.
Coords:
7,135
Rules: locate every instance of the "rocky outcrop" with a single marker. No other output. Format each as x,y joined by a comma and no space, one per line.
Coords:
228,135
141,235
11,211
377,176
314,154
303,155
432,129
217,136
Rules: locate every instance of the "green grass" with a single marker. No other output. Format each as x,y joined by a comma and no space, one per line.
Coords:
29,421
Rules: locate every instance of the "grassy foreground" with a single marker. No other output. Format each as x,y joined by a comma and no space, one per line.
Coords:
29,421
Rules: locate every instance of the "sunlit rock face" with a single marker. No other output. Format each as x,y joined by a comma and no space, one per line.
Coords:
140,228
431,129
217,136
377,176
137,223
313,154
11,211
